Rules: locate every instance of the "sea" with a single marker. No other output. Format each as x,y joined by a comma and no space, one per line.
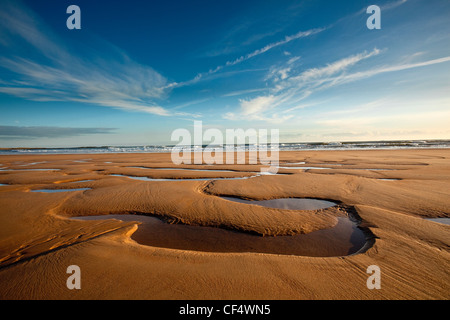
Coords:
295,146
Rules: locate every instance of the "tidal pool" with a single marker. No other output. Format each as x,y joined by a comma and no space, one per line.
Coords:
290,163
303,168
345,238
257,174
185,169
287,203
32,163
175,179
440,220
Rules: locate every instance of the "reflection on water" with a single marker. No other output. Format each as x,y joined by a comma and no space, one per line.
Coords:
343,239
291,163
324,168
32,163
256,174
303,168
440,220
175,179
184,169
288,203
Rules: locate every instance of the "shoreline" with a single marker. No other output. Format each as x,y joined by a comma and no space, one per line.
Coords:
286,146
168,152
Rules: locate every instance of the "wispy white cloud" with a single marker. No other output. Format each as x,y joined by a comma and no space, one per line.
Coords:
281,72
287,39
54,74
363,11
290,90
261,108
300,86
333,68
286,95
242,92
277,74
393,5
298,35
257,105
385,69
293,59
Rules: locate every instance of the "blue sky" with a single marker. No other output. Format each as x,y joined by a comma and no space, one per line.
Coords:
138,70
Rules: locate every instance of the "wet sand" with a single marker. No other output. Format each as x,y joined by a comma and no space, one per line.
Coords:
39,238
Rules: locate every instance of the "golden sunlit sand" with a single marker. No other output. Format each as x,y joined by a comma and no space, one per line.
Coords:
39,238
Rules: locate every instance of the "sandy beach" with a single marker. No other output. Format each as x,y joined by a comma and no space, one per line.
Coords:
388,194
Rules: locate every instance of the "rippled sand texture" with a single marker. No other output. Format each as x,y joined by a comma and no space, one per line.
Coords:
390,194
